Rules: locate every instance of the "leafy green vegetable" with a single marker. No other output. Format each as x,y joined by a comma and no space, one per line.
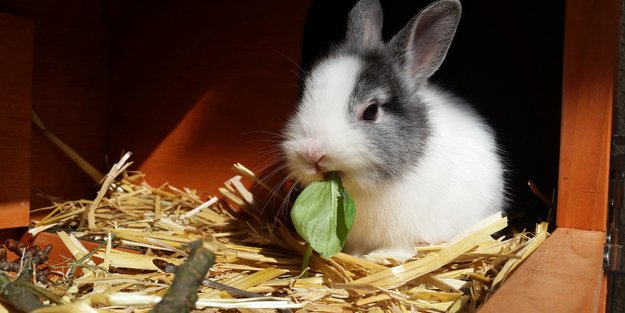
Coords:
323,215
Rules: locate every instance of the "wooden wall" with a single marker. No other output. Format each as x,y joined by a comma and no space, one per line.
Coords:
70,90
195,85
16,65
190,87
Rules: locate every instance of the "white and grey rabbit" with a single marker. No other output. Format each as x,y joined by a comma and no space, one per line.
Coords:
419,163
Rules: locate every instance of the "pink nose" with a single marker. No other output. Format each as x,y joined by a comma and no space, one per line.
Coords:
313,155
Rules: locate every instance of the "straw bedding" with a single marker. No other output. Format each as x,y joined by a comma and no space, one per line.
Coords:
138,223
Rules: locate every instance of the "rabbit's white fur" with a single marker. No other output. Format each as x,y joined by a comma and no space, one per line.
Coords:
422,207
421,166
321,120
430,203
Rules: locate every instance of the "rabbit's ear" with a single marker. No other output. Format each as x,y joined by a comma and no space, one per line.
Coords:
364,25
420,47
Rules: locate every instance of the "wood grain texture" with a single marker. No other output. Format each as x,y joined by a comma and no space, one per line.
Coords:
562,276
70,91
59,252
201,91
590,60
16,66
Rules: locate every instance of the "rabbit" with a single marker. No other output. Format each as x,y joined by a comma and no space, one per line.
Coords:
420,164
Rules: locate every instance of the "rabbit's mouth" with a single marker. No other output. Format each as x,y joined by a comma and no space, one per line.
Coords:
308,173
322,171
328,175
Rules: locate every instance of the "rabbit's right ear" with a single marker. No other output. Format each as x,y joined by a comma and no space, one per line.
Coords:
364,25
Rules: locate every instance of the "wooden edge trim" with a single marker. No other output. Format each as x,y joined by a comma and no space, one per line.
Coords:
589,80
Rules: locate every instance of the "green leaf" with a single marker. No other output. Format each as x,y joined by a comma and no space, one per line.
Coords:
323,215
346,214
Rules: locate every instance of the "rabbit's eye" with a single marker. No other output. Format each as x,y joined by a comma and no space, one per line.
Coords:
371,113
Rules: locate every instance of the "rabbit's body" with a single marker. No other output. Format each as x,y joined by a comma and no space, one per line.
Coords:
420,164
441,195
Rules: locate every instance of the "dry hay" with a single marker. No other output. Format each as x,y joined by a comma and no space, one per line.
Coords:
258,256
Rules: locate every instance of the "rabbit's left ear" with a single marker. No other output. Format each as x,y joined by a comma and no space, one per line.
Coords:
420,47
364,25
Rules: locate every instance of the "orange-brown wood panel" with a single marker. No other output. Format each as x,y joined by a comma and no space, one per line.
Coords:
196,85
590,60
563,275
16,66
60,253
70,91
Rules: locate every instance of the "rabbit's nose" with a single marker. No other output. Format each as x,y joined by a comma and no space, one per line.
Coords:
313,154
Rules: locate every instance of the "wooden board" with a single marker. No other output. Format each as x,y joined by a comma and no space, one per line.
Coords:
590,60
59,252
70,92
563,275
16,67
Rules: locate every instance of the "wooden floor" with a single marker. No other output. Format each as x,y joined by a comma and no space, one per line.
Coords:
563,275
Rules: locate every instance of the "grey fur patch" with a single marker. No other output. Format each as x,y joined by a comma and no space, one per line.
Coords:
399,138
364,24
